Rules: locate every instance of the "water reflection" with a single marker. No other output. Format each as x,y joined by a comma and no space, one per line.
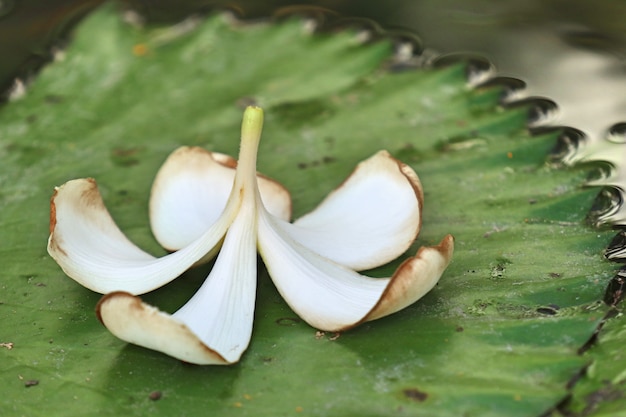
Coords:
31,31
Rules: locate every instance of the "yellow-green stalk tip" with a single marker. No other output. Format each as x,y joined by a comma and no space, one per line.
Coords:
252,123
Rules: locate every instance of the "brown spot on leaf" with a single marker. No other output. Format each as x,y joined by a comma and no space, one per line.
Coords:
155,395
140,49
415,395
31,383
125,157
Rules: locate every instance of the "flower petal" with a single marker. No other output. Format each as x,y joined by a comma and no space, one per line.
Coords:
330,296
134,321
90,248
371,219
190,192
414,278
215,326
188,195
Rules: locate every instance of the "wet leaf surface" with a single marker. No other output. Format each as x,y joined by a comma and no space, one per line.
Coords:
480,344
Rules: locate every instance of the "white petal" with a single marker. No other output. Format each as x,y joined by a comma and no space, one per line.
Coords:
371,219
90,248
134,321
332,297
414,278
215,326
190,192
188,195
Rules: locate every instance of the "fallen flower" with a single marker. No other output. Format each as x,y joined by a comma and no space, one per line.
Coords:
205,204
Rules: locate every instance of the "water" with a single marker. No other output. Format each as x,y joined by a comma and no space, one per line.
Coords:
31,30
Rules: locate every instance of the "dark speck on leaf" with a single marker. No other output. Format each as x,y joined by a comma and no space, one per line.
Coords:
31,383
155,395
459,329
554,275
415,394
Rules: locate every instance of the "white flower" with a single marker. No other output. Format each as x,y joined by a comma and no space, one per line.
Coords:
203,203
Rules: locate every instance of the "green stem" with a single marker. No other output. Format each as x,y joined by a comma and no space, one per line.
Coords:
251,128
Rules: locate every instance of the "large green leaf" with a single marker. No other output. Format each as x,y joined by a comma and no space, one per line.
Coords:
498,336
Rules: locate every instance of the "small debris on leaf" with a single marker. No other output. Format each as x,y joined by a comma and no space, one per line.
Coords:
415,394
140,49
8,345
155,395
31,383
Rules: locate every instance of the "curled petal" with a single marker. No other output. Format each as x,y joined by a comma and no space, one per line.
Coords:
215,326
370,219
414,278
90,248
330,296
134,321
188,195
190,192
